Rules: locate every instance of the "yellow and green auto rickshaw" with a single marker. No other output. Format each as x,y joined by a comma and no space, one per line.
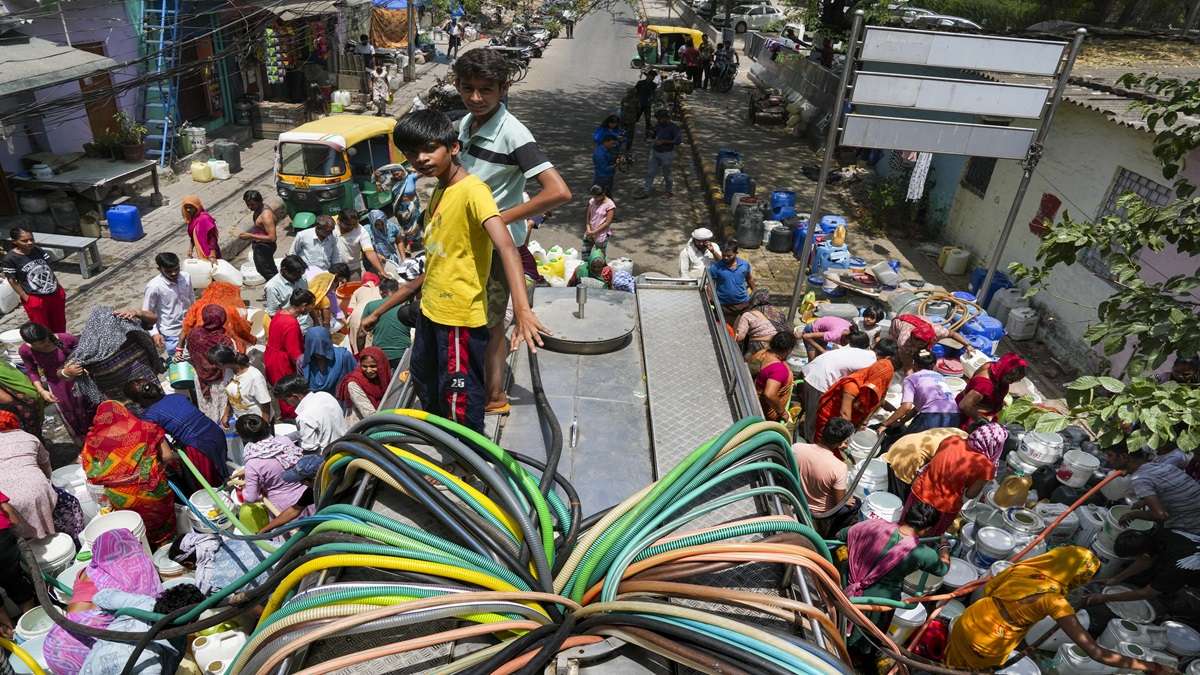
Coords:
659,47
329,164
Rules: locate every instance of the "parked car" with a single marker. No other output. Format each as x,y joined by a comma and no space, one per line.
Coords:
750,17
908,15
945,22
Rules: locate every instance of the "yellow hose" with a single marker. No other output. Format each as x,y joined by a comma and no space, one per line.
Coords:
28,660
387,563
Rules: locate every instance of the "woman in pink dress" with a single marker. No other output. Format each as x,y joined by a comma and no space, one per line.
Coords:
202,230
44,357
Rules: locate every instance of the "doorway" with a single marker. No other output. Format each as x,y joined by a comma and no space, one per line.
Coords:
97,89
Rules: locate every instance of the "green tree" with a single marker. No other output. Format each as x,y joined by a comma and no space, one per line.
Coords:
1154,319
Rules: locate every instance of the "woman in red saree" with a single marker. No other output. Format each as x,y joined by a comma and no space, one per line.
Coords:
858,395
983,398
204,240
128,456
209,376
285,343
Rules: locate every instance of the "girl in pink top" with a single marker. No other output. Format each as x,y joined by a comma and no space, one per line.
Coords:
824,331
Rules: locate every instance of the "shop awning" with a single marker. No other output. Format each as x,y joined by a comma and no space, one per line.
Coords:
289,11
28,63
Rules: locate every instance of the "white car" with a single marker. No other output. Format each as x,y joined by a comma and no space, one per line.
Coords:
752,17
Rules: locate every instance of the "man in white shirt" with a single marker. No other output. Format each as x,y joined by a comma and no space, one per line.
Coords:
698,254
317,246
280,287
319,419
168,295
355,245
829,367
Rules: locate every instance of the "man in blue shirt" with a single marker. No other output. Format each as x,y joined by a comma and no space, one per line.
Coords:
604,163
662,151
732,280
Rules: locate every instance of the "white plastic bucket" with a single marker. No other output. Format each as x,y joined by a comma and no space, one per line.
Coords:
874,479
1116,489
1113,529
992,544
32,625
1059,638
906,621
34,649
283,429
1076,468
951,611
1110,562
966,542
883,506
1041,447
921,583
72,479
54,553
204,504
117,520
1019,463
258,321
1137,611
960,574
861,444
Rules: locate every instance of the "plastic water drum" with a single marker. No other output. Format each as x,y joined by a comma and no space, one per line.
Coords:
226,272
54,553
250,275
117,520
220,169
874,479
883,506
124,222
957,261
1059,638
783,199
198,271
67,578
727,158
1004,301
738,182
990,326
999,281
201,172
1022,323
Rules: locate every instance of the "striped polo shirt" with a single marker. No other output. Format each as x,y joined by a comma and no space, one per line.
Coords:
503,154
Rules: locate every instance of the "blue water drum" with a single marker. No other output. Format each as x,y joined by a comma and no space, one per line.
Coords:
991,327
999,281
125,222
982,343
738,182
781,200
724,155
830,222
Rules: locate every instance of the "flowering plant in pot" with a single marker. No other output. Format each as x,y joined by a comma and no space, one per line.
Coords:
132,136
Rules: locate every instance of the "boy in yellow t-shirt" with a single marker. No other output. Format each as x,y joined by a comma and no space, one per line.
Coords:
462,225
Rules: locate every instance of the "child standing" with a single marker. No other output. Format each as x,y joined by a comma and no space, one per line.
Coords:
604,163
600,212
462,228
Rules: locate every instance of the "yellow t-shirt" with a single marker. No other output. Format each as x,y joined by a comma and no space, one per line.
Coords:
458,254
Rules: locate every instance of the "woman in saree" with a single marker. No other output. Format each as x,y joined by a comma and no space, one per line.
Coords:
45,357
200,437
1020,596
774,380
325,365
128,457
119,564
879,555
959,470
368,292
285,343
210,377
114,348
858,395
324,287
759,323
203,237
361,391
229,298
983,398
19,397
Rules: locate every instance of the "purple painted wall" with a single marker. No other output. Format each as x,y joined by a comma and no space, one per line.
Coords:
66,130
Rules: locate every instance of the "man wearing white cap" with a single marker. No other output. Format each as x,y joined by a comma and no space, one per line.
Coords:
698,253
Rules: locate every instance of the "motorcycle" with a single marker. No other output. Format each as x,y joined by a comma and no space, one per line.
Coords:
442,96
724,76
517,40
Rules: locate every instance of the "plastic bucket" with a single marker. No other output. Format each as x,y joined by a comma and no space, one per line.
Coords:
1112,529
54,553
874,479
1042,448
960,574
32,625
992,544
1059,638
952,610
1076,468
204,504
72,479
906,621
1110,562
117,520
921,583
1071,660
1023,523
861,444
250,275
181,374
966,542
883,506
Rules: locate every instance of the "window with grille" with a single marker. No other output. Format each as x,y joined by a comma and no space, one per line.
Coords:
1151,191
979,174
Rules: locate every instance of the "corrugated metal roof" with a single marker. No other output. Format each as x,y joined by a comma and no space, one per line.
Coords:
28,63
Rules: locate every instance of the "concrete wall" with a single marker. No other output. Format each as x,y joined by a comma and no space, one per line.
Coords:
1083,154
66,130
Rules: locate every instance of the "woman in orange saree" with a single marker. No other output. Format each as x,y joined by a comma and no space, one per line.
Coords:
863,390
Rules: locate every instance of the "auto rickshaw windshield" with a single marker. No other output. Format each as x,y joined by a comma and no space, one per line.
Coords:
310,159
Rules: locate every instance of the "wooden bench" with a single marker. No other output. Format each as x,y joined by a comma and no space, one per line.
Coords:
89,253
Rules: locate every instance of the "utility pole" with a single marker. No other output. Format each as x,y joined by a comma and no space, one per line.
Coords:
410,69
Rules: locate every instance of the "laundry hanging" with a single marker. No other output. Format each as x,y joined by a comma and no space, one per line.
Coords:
920,172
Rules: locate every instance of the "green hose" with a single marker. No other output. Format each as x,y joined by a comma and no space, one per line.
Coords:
447,547
220,503
887,602
392,594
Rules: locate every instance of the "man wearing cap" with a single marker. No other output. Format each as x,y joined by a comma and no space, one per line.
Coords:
698,254
303,471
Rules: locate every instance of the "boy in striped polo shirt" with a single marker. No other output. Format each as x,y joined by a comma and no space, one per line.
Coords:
499,149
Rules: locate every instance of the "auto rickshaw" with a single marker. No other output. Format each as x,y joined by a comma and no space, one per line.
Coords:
324,166
659,48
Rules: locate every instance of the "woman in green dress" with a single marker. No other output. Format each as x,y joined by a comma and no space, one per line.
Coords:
880,555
